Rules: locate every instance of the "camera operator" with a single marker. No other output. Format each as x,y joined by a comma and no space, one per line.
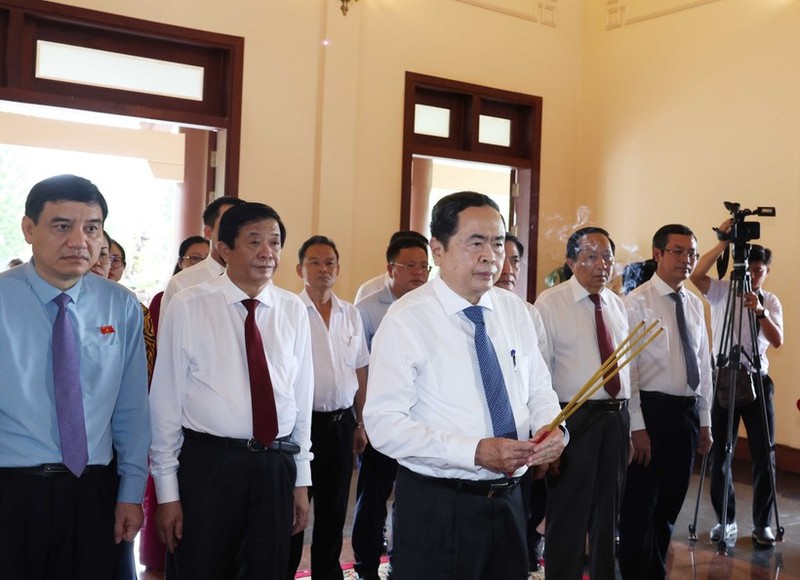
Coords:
769,319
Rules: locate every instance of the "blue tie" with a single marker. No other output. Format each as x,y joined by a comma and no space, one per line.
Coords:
493,383
68,395
689,355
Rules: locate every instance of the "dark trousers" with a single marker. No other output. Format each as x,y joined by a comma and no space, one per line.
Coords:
238,508
654,494
758,440
58,527
534,502
443,533
375,483
331,471
586,496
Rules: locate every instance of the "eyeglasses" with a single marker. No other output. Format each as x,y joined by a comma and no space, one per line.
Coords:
413,267
680,253
117,262
193,259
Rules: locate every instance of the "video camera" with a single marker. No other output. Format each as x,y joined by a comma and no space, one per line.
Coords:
742,231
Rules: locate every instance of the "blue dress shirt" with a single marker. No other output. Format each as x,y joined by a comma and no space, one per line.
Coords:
108,322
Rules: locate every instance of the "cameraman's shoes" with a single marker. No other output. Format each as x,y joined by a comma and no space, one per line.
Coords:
731,533
763,536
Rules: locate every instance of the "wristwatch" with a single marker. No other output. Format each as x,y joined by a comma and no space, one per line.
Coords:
764,314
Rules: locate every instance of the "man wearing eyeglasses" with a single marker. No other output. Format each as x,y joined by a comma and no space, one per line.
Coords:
585,490
769,320
670,405
407,267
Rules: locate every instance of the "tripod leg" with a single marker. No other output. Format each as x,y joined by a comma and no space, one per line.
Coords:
693,525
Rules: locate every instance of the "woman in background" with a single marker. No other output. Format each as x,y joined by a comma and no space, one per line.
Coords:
192,251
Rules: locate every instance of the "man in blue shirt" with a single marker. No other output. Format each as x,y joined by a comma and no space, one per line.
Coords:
68,521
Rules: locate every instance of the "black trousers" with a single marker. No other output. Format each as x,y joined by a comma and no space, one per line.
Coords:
238,508
586,496
58,527
759,437
447,534
654,494
331,472
375,483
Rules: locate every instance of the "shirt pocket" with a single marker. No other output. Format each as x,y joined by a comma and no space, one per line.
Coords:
347,347
283,371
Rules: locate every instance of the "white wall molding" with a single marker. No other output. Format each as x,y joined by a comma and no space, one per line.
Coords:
626,12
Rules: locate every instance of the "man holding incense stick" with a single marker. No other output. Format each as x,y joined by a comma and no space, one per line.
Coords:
670,406
456,385
584,322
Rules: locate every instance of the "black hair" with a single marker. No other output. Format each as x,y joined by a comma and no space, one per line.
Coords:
572,242
444,217
211,213
112,242
243,214
313,241
761,254
661,237
408,234
396,246
63,188
184,247
515,239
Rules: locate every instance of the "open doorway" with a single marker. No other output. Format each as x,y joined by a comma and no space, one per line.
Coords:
459,136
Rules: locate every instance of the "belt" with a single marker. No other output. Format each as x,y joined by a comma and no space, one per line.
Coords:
671,399
49,470
603,405
281,445
491,489
331,416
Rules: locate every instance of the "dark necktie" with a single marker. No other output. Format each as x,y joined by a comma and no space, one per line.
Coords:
265,417
68,395
689,355
494,385
605,345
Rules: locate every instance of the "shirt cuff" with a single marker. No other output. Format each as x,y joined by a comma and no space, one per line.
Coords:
303,478
705,418
461,452
131,489
637,421
167,488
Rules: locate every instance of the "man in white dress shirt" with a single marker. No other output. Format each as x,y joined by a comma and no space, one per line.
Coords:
380,281
229,501
214,264
340,381
670,405
584,492
456,385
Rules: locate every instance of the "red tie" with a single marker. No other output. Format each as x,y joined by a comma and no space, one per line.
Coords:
265,418
606,346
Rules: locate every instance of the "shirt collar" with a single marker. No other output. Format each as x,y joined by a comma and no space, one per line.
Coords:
336,304
579,292
235,294
452,302
45,291
662,287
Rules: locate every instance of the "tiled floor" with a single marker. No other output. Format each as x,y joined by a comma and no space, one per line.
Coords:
701,561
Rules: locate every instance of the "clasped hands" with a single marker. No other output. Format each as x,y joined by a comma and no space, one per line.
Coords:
505,456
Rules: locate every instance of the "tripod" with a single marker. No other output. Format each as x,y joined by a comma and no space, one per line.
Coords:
731,359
